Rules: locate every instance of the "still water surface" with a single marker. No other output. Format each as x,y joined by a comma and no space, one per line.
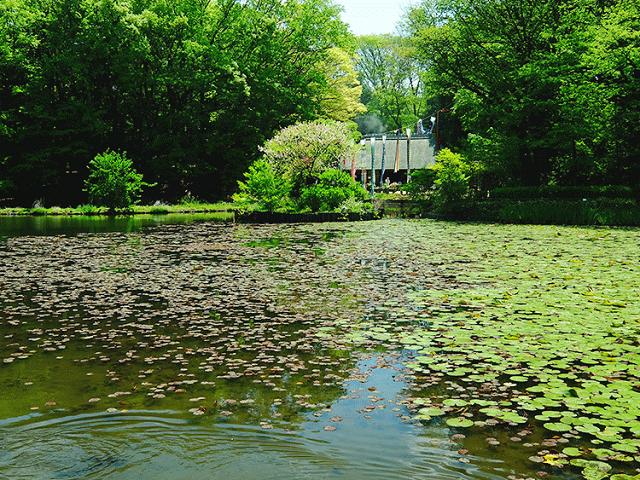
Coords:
178,347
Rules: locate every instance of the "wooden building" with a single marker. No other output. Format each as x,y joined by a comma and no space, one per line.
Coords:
421,155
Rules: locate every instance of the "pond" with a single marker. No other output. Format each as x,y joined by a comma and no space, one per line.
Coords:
188,348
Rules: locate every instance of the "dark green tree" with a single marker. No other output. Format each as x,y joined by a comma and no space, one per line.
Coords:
546,91
189,88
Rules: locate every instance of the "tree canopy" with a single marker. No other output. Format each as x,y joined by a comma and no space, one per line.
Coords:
189,88
545,91
392,80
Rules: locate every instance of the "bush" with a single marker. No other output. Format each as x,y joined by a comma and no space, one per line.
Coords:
452,180
561,192
38,211
302,151
619,212
263,189
158,210
353,205
113,181
422,181
189,199
88,209
332,189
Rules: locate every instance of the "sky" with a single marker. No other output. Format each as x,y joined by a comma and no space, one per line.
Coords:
373,16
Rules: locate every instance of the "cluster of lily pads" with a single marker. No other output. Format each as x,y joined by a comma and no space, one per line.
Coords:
531,330
206,320
540,331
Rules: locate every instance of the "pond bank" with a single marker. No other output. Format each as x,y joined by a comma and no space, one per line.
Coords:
91,210
588,212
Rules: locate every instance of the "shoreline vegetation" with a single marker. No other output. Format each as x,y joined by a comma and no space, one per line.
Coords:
612,212
92,210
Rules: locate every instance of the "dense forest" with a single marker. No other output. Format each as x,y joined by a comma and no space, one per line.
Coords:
188,88
535,92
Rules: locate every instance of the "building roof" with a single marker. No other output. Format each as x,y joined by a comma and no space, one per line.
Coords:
422,153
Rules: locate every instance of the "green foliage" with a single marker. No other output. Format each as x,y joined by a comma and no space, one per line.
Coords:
392,81
191,88
88,209
159,209
560,192
38,211
301,152
333,188
452,180
263,189
189,199
546,92
422,181
356,205
341,102
620,212
113,181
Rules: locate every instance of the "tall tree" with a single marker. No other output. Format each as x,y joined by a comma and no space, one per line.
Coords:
189,88
526,80
391,76
340,99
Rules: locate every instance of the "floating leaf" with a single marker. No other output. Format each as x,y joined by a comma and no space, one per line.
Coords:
459,422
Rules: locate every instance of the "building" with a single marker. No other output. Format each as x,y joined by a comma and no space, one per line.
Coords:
421,155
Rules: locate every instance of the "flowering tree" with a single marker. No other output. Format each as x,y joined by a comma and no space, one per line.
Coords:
302,151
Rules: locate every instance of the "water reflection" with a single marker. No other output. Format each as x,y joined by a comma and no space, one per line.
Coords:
213,350
367,443
70,225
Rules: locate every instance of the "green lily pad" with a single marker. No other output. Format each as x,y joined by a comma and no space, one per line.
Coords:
557,427
459,422
431,411
572,452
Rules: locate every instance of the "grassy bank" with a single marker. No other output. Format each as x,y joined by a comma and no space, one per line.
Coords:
134,210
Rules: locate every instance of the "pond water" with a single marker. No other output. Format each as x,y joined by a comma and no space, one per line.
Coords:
66,225
186,348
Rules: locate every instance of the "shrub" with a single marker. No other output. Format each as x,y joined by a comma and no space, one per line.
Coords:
452,180
88,209
422,181
302,151
602,211
113,181
332,189
353,205
38,211
159,210
562,192
189,199
263,188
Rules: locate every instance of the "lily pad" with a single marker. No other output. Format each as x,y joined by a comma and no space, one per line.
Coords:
459,422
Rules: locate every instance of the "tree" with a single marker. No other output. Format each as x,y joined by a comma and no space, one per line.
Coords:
391,75
113,181
190,88
545,90
302,151
341,99
452,180
332,189
263,188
